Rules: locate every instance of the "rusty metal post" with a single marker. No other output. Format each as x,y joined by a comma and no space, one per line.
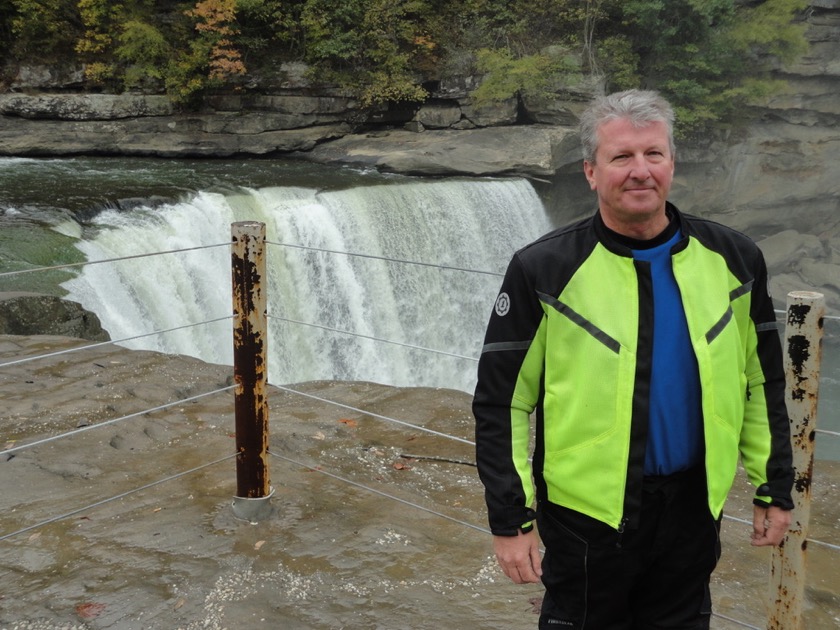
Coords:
803,352
250,367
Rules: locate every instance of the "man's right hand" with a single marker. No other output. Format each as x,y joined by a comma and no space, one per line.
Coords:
519,556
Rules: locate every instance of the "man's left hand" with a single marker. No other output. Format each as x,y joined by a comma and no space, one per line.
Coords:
770,524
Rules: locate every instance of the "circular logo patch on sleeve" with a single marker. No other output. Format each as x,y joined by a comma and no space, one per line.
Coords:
502,304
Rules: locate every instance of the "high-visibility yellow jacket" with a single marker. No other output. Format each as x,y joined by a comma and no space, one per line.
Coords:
570,341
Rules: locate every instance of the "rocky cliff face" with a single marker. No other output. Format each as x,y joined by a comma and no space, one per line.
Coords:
779,180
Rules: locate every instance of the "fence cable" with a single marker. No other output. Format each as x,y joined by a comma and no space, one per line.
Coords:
386,259
375,415
372,338
111,342
282,388
829,317
15,449
116,497
465,441
810,540
423,508
110,260
735,621
380,493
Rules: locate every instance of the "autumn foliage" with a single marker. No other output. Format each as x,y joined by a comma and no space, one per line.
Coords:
710,58
216,24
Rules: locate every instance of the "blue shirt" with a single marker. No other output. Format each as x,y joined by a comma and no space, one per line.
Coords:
675,432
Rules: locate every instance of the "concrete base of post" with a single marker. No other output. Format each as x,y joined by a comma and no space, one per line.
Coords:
252,510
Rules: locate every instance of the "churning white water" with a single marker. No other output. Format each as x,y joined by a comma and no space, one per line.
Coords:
331,315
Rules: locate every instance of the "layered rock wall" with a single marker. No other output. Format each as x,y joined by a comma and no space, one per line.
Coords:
780,182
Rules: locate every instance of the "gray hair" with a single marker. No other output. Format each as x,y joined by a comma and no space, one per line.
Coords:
641,107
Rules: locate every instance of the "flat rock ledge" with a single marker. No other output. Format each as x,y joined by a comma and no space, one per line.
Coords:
538,150
318,128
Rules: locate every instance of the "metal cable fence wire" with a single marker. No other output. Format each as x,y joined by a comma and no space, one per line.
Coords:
332,329
436,513
109,260
111,342
469,442
98,425
387,259
405,424
372,338
115,497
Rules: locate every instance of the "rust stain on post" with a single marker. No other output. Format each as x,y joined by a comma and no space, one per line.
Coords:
249,359
803,351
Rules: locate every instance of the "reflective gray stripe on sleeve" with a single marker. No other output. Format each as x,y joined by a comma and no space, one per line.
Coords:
745,288
581,321
501,346
766,326
721,324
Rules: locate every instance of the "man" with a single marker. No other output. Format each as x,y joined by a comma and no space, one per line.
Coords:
644,342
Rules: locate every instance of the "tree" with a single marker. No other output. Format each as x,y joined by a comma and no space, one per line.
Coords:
145,50
709,57
271,27
216,25
534,75
373,47
43,29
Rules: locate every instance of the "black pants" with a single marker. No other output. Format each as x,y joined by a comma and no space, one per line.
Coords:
651,578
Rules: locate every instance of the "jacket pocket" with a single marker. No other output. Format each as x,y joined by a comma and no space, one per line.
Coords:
722,365
588,382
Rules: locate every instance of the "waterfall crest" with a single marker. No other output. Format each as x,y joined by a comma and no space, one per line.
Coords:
453,226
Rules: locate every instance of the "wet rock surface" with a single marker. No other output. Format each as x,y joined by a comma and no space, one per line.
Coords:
373,523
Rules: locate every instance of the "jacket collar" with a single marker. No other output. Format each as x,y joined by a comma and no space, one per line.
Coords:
621,248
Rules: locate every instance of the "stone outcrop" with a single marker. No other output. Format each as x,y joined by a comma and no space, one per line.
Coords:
533,150
24,313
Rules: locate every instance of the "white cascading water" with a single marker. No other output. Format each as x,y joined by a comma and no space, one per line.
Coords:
312,294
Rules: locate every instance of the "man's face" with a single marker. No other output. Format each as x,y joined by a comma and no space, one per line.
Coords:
632,176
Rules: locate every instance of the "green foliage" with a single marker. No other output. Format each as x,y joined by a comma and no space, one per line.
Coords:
186,78
768,29
619,61
270,23
506,76
98,17
709,57
330,29
99,73
43,29
373,47
145,51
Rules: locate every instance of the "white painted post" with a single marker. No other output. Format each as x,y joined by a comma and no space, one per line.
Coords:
803,352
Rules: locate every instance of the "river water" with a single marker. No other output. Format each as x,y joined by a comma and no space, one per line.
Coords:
372,277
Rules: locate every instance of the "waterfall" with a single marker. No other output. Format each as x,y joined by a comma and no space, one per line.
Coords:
393,312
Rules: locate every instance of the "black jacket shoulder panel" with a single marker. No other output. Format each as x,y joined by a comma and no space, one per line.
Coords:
743,256
553,259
